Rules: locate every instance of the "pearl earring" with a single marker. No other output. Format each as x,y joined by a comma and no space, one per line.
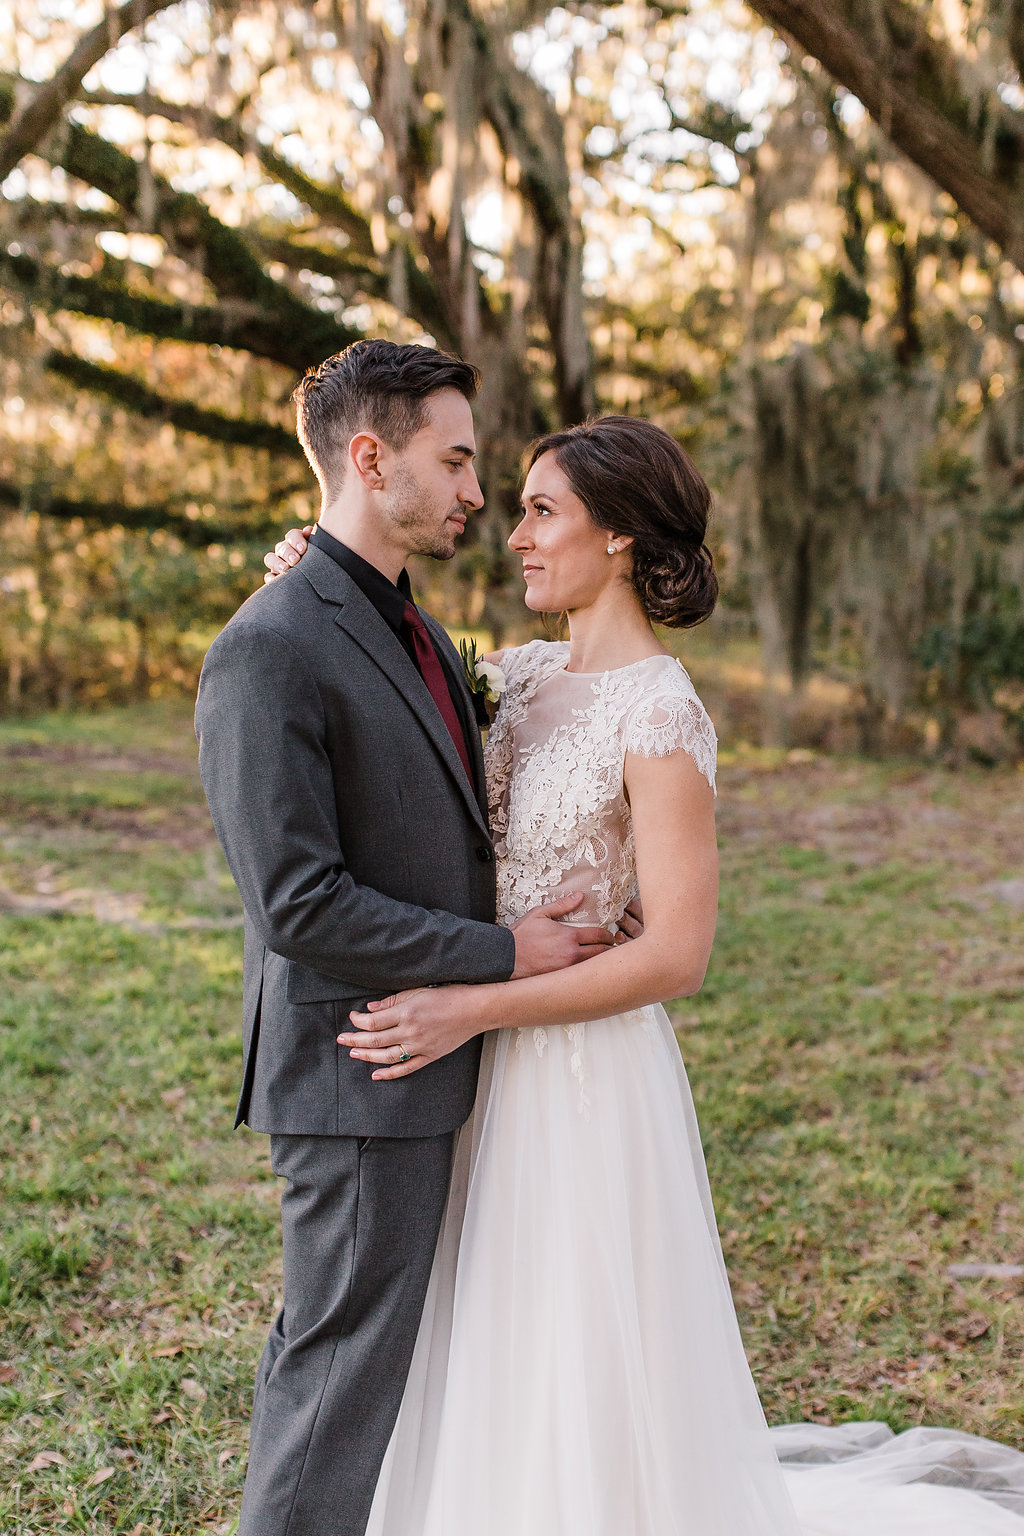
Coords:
612,550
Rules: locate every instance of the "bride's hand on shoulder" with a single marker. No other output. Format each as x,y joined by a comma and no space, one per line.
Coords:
422,1025
287,552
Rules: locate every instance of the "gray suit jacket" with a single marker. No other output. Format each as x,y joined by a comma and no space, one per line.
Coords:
361,851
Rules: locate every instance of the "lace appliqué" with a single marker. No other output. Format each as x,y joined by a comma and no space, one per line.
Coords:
525,668
670,720
575,1034
555,808
559,814
557,802
540,1039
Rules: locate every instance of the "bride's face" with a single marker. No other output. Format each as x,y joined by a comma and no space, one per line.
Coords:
565,558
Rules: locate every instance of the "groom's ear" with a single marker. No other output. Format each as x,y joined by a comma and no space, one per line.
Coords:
365,453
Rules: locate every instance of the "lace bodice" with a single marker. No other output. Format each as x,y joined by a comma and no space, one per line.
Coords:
555,756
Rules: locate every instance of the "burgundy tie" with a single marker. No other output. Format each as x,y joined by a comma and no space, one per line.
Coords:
432,675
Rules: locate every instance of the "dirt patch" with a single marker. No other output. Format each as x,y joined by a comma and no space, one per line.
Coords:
101,759
867,814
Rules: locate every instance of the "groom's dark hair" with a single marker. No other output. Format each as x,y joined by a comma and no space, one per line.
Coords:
375,386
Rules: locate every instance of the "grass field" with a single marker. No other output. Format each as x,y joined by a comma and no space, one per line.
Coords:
855,1054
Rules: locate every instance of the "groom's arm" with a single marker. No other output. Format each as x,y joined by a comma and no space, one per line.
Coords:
270,788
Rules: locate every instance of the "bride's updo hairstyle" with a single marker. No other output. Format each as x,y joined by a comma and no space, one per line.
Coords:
633,478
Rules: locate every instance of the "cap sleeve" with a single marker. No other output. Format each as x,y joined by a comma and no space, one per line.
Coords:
669,717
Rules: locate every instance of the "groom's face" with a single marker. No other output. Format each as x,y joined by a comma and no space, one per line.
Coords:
430,486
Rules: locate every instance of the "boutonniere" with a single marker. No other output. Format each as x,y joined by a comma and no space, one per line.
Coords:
482,677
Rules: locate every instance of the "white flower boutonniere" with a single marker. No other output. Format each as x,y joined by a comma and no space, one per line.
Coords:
482,677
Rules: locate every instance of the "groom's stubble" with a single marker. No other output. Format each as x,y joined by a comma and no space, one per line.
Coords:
423,526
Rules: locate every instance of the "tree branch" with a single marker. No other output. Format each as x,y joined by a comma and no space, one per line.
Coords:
136,397
908,80
331,204
228,325
530,132
33,122
147,515
188,226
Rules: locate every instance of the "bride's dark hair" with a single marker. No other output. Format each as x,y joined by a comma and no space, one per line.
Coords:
633,478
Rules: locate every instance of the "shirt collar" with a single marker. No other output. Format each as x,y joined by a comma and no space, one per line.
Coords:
388,597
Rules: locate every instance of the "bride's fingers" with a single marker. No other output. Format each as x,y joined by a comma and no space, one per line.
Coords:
376,1023
370,1040
386,1074
588,951
296,539
391,1056
386,1002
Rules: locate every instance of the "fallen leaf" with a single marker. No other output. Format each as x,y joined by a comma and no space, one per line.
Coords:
108,1263
162,1418
69,1507
7,1372
192,1389
47,1459
74,1322
169,1351
101,1476
975,1327
226,1456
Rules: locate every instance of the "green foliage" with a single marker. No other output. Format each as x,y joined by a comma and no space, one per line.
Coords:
981,659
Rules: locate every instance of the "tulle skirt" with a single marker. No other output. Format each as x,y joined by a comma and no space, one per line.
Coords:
579,1370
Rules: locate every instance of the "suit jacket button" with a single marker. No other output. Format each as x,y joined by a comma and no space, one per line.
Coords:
485,855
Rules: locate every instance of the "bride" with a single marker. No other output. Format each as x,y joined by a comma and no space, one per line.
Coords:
579,1370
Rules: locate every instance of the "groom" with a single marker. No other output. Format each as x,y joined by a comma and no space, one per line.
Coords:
342,765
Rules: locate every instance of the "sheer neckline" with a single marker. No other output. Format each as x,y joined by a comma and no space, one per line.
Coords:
611,671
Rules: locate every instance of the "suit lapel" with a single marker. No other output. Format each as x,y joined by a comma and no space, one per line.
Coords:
360,620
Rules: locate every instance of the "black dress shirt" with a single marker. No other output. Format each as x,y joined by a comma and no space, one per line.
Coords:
389,598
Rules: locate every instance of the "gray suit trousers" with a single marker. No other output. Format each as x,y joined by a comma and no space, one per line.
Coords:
360,1219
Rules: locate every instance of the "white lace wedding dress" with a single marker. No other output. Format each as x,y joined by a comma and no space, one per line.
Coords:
579,1370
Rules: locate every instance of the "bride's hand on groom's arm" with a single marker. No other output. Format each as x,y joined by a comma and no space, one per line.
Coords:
287,552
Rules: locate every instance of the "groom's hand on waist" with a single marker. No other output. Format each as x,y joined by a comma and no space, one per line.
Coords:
544,944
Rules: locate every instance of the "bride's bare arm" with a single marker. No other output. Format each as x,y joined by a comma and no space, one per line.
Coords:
677,871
